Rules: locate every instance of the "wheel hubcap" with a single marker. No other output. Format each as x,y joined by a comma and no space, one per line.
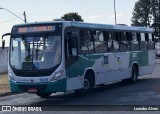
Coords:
86,84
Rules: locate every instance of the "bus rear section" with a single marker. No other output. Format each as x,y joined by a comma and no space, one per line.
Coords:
97,55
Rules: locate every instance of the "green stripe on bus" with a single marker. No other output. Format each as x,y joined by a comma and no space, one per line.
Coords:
79,67
57,86
144,58
139,57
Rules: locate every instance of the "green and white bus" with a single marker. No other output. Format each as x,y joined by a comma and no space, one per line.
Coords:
62,56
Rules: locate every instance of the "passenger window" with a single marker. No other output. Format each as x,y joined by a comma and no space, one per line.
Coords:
86,42
115,41
143,42
134,42
151,42
72,44
99,43
124,42
110,42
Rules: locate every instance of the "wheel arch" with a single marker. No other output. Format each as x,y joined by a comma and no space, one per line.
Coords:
92,72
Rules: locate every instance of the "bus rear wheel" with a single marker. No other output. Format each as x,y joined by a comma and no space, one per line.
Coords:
134,77
44,95
134,74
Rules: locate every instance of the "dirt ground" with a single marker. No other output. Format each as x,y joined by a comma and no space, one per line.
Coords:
4,87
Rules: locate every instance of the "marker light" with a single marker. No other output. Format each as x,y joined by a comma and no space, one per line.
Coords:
11,77
57,75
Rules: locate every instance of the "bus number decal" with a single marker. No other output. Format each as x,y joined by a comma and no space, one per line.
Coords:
134,55
43,79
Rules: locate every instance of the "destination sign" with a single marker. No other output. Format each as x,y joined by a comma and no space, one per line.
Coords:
36,29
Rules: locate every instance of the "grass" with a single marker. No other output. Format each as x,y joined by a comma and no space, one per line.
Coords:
4,85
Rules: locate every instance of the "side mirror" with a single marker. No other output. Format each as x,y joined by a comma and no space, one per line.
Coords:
3,41
3,44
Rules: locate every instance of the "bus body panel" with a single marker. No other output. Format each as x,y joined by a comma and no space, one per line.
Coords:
74,83
59,86
119,66
107,67
43,83
150,63
151,57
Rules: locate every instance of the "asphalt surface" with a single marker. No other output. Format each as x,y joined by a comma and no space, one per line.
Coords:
117,96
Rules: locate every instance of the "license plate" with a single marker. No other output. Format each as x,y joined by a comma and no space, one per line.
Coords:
32,90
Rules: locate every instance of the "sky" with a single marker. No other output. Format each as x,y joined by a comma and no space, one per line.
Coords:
92,11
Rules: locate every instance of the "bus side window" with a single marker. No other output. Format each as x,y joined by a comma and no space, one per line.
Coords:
110,42
124,42
129,35
134,42
86,42
115,38
72,45
99,43
106,38
143,41
151,41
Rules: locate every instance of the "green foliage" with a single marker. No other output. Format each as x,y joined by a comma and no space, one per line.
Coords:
141,13
147,13
71,16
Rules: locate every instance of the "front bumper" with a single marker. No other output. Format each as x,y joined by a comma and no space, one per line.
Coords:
58,86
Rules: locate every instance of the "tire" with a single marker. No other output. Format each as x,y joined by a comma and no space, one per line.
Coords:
134,74
134,77
44,95
88,86
88,83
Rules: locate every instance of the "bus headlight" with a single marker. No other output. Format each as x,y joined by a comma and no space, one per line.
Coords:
11,77
57,75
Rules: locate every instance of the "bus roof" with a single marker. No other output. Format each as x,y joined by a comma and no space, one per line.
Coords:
114,27
92,25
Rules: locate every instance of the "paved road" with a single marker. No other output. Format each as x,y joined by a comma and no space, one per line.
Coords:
145,92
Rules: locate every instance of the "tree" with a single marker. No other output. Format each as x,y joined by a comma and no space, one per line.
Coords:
156,20
141,13
71,16
147,13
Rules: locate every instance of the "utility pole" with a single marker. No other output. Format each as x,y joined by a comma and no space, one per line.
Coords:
115,12
15,14
25,19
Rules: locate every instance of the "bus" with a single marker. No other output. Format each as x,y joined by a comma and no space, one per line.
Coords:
63,56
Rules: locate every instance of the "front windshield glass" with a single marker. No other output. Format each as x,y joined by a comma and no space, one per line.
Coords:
35,53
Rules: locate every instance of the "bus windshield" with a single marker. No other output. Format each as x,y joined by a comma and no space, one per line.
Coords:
35,53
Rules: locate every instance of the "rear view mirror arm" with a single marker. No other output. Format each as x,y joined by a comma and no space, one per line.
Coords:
3,41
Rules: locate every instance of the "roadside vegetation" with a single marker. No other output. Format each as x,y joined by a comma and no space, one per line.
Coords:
4,85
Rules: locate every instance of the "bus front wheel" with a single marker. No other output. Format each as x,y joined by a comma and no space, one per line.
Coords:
88,86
